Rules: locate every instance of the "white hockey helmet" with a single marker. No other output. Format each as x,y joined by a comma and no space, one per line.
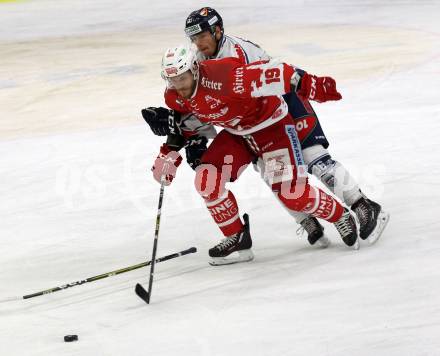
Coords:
178,60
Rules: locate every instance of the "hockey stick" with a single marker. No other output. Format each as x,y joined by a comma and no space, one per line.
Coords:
140,291
100,276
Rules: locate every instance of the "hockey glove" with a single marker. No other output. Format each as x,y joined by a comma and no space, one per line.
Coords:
165,165
320,89
194,149
160,119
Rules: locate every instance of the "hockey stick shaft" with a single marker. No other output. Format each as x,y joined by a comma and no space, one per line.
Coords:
101,276
156,237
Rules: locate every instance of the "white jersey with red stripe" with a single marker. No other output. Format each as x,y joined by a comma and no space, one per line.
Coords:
232,46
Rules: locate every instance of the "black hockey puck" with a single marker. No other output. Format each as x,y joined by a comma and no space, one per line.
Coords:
70,338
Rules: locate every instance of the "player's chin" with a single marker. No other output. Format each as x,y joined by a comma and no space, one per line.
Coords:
184,93
207,52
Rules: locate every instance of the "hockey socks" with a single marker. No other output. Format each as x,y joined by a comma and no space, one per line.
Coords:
225,213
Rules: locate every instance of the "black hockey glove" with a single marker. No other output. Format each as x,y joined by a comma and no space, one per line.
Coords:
161,120
195,148
175,142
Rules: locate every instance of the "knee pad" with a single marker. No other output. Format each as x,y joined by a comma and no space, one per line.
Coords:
320,164
325,170
333,174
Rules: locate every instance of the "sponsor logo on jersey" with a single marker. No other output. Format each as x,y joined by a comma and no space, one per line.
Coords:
277,166
301,124
305,126
213,116
296,147
212,102
313,89
265,147
194,105
210,84
238,85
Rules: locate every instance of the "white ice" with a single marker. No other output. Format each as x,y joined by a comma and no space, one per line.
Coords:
77,198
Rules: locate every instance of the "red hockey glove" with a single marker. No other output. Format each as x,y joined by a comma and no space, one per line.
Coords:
319,89
166,165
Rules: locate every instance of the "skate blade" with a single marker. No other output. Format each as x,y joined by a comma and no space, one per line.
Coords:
323,242
243,256
356,245
382,221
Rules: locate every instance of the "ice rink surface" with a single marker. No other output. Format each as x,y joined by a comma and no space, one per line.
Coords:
77,198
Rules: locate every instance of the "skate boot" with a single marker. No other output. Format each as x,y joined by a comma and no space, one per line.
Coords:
346,227
372,219
233,249
315,232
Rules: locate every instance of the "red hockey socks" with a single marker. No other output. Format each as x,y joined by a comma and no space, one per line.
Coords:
323,206
225,214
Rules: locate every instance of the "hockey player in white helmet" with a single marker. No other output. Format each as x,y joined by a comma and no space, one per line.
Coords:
246,101
205,29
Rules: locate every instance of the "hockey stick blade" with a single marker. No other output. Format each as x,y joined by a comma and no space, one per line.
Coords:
142,293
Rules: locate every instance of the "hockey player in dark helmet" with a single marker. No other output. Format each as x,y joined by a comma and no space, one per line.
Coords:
205,29
212,42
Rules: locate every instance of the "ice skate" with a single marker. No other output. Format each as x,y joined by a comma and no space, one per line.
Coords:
372,219
315,232
346,226
233,249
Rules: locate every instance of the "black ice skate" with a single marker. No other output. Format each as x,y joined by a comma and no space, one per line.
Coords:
233,249
372,219
315,232
346,227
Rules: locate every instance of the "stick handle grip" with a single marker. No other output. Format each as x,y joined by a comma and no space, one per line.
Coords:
187,252
181,253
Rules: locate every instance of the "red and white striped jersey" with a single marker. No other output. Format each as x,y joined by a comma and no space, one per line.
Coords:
241,98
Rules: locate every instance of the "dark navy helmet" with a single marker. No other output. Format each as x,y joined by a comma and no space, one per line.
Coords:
204,19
